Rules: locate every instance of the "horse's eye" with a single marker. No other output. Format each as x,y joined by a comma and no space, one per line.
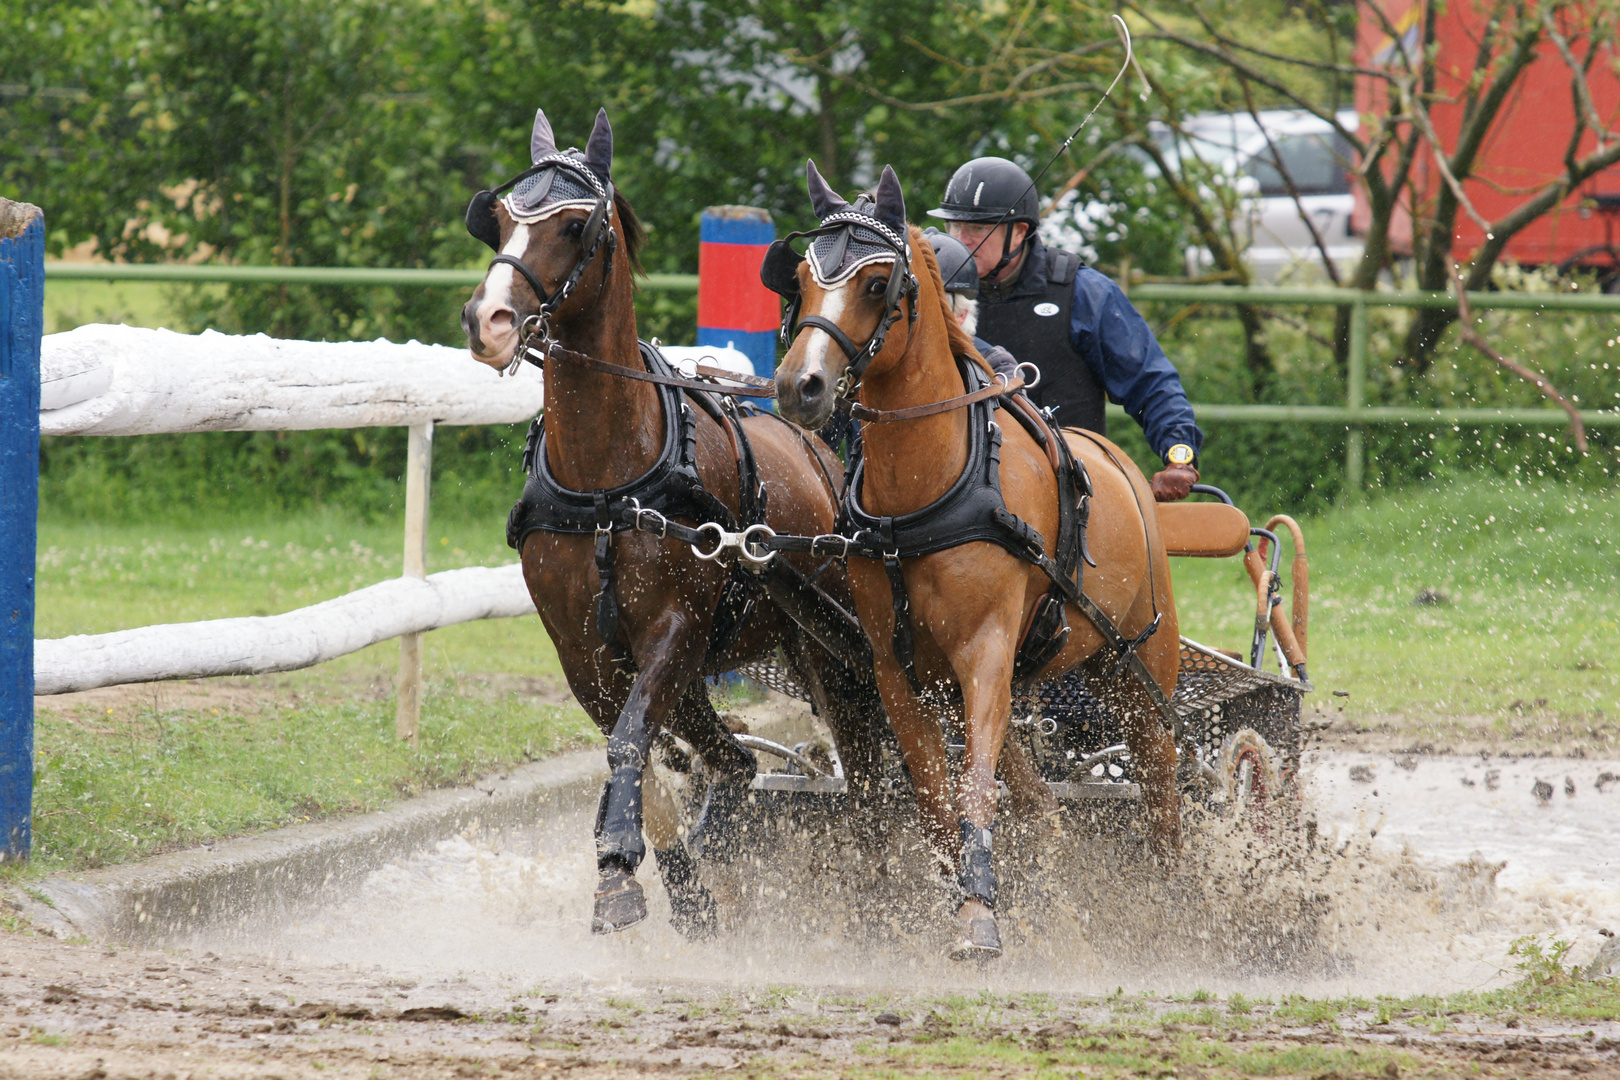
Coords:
575,229
877,286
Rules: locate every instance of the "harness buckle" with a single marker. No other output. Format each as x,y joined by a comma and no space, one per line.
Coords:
847,542
719,540
743,541
661,523
1029,384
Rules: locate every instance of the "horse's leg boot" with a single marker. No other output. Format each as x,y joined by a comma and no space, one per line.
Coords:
977,939
692,910
977,936
620,902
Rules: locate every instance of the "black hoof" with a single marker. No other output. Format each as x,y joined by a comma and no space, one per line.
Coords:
978,939
716,834
619,903
692,911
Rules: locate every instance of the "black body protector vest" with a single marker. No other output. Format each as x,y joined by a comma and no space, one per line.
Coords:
1032,322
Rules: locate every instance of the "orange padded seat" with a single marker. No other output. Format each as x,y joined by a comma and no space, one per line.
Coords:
1203,530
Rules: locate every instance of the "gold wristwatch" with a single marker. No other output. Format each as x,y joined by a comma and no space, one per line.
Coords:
1179,454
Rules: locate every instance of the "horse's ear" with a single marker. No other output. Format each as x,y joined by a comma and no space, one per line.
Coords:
823,199
542,142
599,151
891,201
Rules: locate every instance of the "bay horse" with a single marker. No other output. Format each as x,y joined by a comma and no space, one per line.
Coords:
966,606
614,465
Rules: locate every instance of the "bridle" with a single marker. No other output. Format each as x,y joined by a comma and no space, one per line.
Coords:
780,273
598,231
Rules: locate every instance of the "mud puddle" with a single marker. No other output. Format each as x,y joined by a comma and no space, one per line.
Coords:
1414,875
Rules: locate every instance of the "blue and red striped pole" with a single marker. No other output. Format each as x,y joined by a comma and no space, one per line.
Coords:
733,307
22,322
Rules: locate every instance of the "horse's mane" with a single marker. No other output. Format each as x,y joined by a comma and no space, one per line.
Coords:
635,233
961,341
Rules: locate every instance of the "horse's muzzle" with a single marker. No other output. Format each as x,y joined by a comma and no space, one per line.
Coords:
805,398
491,331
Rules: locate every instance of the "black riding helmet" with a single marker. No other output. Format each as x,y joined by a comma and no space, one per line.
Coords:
956,267
992,191
989,189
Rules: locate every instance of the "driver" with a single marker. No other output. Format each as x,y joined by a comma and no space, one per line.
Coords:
1046,307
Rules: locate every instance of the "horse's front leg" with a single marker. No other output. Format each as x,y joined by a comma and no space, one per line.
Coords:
922,746
984,666
667,664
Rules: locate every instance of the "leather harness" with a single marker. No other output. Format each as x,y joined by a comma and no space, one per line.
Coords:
975,510
671,488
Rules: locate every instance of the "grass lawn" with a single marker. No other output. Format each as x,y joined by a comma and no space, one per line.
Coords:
71,303
1523,636
1526,641
129,771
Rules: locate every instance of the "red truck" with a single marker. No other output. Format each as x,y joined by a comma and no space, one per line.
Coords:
1525,147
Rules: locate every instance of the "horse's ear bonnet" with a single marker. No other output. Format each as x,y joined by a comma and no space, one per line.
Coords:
556,181
871,230
876,229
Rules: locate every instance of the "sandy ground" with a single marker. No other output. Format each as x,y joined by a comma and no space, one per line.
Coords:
82,1011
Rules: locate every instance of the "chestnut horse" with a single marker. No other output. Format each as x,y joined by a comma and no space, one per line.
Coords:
635,614
970,606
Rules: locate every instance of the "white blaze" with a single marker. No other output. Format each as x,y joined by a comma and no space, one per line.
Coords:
832,306
498,282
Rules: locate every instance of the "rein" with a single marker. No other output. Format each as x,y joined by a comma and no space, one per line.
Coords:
753,386
885,416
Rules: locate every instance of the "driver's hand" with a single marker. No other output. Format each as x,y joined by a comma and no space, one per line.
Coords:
1174,483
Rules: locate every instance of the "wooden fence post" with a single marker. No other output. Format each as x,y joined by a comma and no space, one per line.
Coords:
418,486
22,325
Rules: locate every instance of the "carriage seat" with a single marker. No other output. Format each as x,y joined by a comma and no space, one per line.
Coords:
1203,530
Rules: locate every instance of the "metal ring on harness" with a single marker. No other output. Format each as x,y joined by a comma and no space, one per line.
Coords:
1029,384
746,537
719,543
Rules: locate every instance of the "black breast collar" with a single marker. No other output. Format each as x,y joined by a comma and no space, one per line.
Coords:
671,489
974,510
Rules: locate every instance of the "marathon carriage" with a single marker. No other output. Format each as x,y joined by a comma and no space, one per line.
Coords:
1241,720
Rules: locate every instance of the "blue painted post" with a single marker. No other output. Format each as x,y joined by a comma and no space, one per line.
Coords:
734,308
22,324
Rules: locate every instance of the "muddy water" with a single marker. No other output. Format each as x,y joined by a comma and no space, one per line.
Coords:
1404,874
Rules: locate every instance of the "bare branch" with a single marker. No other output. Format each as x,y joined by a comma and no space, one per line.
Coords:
1260,77
1288,181
1577,72
1420,117
1473,337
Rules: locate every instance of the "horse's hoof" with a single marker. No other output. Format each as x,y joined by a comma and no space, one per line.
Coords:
980,940
620,903
715,834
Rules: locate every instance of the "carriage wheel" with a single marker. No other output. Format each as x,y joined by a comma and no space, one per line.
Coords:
1250,779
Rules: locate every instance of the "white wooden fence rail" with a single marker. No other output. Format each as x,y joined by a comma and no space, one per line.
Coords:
121,380
297,639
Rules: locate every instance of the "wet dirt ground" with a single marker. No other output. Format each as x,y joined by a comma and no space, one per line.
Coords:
1412,875
82,1011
